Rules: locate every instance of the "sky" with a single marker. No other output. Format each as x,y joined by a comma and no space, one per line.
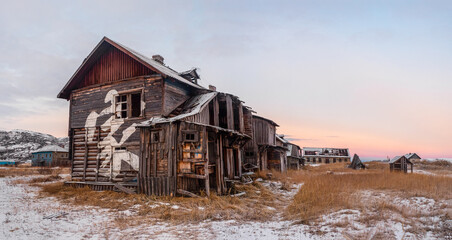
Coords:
372,76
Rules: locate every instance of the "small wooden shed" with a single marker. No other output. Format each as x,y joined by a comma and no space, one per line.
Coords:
400,163
266,150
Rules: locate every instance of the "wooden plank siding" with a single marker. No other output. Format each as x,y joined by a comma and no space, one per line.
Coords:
113,65
264,132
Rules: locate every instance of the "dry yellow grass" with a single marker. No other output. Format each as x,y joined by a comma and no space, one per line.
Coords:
323,193
27,171
259,204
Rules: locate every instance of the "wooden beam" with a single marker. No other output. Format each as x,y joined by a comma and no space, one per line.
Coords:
123,189
86,154
187,193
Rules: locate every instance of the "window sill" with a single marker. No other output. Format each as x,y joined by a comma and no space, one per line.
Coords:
118,120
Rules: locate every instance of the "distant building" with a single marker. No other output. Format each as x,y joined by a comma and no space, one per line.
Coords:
325,155
400,163
51,155
8,163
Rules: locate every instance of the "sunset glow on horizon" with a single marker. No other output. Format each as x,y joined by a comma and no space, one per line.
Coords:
372,77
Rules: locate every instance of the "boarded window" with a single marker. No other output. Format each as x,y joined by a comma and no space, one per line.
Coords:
128,105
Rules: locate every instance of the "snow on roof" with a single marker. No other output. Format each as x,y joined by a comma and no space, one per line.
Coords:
409,155
281,139
395,159
50,148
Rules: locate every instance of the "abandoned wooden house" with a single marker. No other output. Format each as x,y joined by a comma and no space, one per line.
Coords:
325,155
137,122
200,144
357,163
51,155
294,159
400,163
266,150
413,157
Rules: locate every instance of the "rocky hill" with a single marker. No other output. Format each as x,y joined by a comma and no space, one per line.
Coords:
18,144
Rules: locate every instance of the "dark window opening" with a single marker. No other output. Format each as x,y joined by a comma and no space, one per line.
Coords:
211,114
249,154
236,117
191,136
155,137
222,114
136,104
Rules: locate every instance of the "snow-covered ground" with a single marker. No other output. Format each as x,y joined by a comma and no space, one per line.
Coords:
23,215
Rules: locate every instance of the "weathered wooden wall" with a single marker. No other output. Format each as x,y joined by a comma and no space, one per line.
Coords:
264,132
157,167
174,95
97,99
92,108
113,65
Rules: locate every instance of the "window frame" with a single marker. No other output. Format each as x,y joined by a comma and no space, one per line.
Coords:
195,135
128,101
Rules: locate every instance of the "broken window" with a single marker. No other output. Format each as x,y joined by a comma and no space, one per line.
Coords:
192,147
155,136
128,105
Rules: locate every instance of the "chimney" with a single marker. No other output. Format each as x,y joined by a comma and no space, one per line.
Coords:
158,59
213,88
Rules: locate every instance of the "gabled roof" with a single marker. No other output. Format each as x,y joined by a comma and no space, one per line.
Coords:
50,148
410,155
266,119
97,51
397,158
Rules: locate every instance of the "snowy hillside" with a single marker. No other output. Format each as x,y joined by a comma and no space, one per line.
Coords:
18,144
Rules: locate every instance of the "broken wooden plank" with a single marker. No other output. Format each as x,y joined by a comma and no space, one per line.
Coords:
123,189
238,194
187,193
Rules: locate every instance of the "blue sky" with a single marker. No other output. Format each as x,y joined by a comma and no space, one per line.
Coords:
373,76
